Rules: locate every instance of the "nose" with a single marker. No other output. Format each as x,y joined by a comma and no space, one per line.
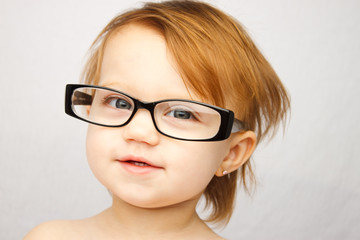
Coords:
141,129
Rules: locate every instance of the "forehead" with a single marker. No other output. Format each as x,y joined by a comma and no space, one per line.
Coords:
134,46
136,60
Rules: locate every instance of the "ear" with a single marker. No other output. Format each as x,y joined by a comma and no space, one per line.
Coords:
242,145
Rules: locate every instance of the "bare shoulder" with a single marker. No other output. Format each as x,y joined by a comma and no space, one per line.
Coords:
57,230
217,238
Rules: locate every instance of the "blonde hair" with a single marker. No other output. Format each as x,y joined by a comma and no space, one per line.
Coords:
217,60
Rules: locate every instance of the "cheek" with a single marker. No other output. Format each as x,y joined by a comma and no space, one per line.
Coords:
92,144
206,156
96,150
197,165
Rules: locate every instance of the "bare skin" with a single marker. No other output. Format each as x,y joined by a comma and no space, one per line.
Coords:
129,223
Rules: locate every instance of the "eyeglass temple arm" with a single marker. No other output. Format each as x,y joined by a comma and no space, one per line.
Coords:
237,126
82,98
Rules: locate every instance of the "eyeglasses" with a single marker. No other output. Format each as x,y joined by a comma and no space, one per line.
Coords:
176,118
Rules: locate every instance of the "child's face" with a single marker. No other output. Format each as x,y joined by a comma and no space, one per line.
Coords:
136,62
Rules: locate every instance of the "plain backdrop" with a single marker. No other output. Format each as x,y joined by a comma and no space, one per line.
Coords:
308,177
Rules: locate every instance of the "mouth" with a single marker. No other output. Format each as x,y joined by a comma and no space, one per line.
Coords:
137,165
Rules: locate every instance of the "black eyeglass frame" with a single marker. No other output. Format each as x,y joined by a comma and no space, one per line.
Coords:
228,123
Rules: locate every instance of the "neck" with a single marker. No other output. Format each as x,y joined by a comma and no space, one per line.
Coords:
155,223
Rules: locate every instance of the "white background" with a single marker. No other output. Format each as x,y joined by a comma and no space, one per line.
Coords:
308,179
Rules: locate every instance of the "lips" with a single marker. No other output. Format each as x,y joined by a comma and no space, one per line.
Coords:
138,165
138,161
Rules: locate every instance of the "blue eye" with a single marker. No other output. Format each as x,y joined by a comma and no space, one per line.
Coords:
181,114
119,103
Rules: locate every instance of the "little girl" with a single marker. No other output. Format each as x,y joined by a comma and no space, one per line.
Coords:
177,97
